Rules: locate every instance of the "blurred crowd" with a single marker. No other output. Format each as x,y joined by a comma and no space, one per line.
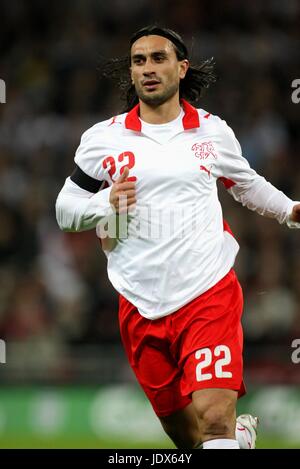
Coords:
55,298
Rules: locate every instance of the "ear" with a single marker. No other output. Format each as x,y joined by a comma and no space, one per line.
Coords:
132,82
183,68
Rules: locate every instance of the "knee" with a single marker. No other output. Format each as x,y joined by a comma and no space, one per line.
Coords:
216,421
217,417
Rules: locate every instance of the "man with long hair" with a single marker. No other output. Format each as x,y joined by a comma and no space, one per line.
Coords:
180,300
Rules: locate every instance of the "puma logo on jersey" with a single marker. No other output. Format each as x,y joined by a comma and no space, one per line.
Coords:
204,168
204,150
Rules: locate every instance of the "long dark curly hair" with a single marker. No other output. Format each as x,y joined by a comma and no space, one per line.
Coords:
197,79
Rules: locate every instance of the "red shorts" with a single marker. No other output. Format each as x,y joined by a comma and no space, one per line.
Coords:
197,347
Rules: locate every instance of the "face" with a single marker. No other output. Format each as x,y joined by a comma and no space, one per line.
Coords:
155,70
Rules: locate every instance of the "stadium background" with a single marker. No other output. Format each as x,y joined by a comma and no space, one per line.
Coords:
66,382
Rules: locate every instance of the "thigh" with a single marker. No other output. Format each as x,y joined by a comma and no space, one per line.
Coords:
211,354
147,348
160,379
218,365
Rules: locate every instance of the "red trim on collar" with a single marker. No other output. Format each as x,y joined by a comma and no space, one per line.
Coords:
190,119
132,120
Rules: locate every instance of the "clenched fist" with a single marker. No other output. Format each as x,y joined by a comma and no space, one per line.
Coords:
122,194
295,215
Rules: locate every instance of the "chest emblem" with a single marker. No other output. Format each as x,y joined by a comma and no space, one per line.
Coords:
204,150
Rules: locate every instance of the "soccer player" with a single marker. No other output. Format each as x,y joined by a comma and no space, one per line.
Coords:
180,300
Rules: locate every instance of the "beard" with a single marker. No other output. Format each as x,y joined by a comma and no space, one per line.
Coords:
155,99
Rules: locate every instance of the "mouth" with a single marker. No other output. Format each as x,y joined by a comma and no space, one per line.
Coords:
150,84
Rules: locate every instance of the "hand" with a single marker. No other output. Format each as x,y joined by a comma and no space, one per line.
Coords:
122,194
295,215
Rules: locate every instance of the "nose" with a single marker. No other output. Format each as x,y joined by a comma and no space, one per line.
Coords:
148,68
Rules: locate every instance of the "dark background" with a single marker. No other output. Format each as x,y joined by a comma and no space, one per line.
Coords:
58,312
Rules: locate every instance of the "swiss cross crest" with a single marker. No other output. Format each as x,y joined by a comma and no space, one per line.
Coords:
204,149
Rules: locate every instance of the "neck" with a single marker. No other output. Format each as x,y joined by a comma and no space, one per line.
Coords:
161,114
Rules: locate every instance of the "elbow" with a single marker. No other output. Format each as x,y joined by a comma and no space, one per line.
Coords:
61,221
64,219
65,228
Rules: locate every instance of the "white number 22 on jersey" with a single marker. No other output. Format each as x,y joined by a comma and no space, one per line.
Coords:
206,353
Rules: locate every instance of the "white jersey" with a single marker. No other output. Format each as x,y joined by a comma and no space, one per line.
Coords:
178,245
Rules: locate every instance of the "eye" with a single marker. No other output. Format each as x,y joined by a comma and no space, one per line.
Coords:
159,58
138,61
